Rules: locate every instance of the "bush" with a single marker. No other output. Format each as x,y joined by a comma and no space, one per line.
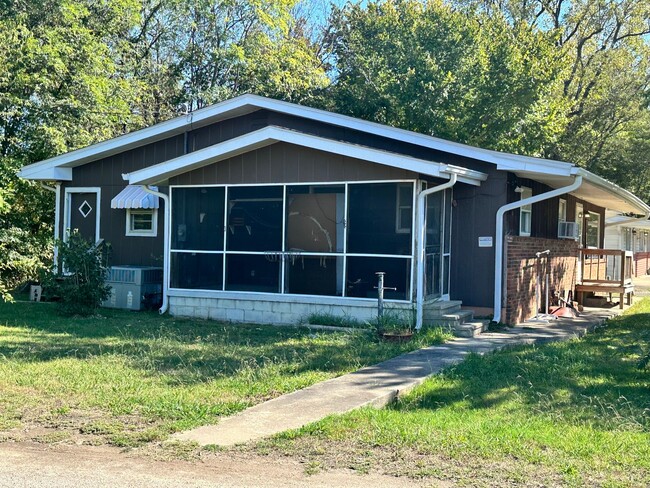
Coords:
82,288
21,259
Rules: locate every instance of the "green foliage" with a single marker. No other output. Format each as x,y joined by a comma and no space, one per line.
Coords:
437,70
210,50
81,289
335,320
21,258
605,91
395,321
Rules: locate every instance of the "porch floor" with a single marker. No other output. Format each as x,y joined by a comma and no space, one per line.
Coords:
380,384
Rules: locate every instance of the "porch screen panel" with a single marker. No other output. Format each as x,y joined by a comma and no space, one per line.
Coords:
362,280
314,275
255,218
380,220
253,272
315,218
197,219
433,244
202,271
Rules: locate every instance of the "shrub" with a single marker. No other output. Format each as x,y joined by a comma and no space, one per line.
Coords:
21,259
82,288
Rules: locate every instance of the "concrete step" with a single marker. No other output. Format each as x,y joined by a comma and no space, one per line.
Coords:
440,307
449,319
471,329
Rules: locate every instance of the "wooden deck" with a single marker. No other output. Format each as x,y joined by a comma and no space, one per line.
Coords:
606,271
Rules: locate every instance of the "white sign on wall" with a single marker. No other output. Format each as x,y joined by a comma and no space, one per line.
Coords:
485,241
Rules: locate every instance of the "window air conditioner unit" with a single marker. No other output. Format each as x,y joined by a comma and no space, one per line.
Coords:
567,230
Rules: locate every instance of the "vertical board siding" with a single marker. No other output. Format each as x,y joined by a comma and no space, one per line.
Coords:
474,215
287,163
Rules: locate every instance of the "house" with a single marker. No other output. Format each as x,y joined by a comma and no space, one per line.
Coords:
629,234
265,211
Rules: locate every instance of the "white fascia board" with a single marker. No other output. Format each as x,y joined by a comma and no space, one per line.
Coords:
249,103
614,189
46,174
224,110
486,155
270,135
555,168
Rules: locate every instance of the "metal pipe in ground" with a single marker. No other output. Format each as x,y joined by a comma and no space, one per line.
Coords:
380,292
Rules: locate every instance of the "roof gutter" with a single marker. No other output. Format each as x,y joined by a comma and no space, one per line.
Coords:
614,189
165,292
498,258
453,177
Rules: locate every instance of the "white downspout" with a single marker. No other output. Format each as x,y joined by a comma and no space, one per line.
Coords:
420,244
165,292
498,249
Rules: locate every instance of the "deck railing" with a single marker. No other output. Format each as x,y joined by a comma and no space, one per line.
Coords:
606,266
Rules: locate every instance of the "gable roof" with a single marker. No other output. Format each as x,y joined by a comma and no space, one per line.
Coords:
271,134
245,104
552,172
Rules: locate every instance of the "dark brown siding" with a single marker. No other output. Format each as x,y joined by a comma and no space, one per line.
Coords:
107,174
288,163
474,215
545,214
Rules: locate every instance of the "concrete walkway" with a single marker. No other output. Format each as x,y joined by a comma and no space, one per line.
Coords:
380,384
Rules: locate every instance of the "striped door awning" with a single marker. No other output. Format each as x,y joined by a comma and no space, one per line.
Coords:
134,196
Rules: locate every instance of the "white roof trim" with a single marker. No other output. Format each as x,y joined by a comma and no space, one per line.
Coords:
614,189
58,168
270,135
249,103
135,197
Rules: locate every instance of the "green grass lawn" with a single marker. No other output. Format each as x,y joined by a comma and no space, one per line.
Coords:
572,413
129,378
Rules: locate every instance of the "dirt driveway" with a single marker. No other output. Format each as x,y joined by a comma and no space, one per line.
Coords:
58,466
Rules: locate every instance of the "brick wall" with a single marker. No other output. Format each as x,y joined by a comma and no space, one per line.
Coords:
522,269
641,263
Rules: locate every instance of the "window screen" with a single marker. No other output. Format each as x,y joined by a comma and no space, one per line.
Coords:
315,218
373,214
362,279
197,218
255,218
197,270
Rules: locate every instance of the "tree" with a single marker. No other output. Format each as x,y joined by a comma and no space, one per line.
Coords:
607,45
435,69
60,89
211,50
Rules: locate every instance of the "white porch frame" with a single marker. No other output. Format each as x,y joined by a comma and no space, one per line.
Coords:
280,296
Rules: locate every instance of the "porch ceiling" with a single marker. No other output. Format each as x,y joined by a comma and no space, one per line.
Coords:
595,190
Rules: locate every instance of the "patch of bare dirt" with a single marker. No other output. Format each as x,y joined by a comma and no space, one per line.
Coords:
63,466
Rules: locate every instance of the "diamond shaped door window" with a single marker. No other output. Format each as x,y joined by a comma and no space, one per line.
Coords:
85,209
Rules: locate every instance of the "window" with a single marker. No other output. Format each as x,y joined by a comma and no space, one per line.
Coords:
141,222
593,230
580,216
404,207
307,239
627,239
561,213
525,213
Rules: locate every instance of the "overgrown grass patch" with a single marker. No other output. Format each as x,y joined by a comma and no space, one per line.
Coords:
131,378
575,413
